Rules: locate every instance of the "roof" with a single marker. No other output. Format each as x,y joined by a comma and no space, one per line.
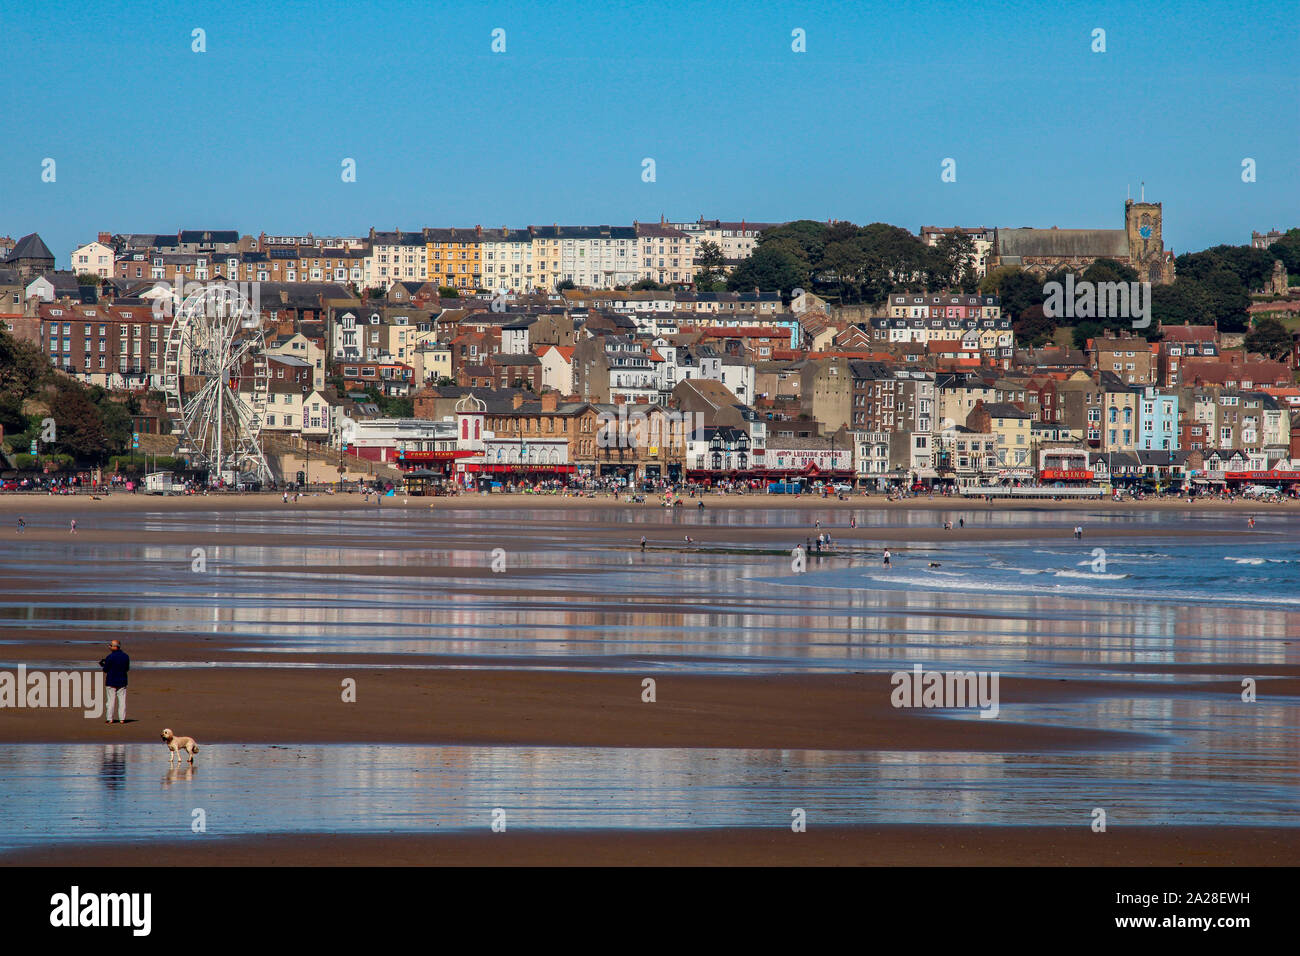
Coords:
200,235
1099,243
1189,333
30,246
1005,410
713,392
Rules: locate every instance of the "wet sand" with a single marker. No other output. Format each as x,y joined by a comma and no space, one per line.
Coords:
855,846
20,502
504,707
423,702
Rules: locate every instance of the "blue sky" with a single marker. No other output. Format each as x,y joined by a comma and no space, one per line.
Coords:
150,136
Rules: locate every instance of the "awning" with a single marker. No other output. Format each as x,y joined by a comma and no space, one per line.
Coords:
518,469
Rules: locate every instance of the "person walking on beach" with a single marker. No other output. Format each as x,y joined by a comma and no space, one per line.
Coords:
115,666
642,542
886,559
1251,522
853,521
73,529
22,524
1078,532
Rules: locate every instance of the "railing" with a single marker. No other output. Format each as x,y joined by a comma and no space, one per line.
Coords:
1005,491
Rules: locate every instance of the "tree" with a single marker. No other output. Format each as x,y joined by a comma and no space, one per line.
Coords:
1230,300
1270,338
992,281
711,267
1184,302
771,268
953,254
647,285
1033,327
1288,250
118,426
23,366
1251,266
1108,270
1087,330
87,278
447,292
1019,291
79,422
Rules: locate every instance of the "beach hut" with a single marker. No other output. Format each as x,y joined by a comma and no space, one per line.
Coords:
159,483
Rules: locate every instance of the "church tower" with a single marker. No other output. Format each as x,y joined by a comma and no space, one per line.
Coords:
1143,225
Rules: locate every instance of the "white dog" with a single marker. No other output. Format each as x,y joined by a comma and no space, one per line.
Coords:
176,744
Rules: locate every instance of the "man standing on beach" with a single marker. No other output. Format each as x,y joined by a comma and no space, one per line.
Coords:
115,666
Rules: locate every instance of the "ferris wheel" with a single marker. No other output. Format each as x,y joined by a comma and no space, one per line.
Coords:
216,379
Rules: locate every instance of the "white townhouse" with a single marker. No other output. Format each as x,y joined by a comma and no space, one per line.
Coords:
94,258
395,255
667,255
506,260
592,257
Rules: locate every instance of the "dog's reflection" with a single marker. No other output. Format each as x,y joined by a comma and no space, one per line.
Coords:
179,773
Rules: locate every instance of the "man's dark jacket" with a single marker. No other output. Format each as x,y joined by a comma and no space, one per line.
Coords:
115,665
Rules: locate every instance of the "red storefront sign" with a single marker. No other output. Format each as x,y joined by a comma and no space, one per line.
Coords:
1262,475
1066,474
506,469
435,455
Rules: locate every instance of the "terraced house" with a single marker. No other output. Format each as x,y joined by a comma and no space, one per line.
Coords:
506,259
393,256
596,257
454,257
666,254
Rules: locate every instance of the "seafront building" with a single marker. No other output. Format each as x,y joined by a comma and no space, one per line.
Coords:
471,352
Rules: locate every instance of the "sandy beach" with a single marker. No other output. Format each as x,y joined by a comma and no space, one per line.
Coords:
860,846
222,686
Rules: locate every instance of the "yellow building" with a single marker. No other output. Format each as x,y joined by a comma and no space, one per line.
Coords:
455,257
1013,428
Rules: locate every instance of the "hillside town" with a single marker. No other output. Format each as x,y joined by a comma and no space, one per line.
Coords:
710,353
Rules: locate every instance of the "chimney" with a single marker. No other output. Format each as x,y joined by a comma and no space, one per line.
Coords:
478,232
105,238
517,400
548,401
